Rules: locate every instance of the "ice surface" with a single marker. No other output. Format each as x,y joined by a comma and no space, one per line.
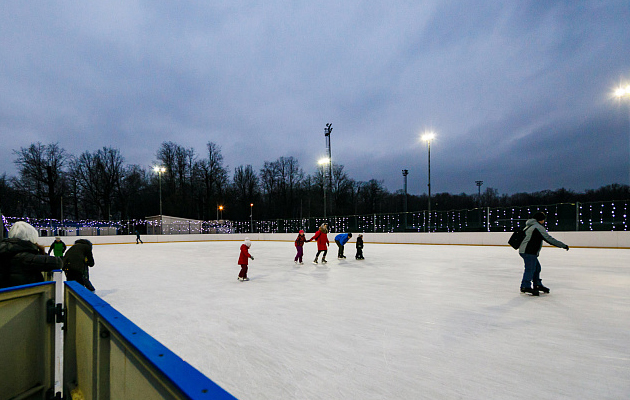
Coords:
408,322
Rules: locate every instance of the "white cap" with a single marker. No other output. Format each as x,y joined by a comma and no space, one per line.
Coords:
247,242
24,231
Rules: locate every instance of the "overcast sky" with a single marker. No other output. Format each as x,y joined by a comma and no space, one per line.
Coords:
518,92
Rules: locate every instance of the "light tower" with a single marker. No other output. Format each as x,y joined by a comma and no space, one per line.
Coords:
428,137
327,132
405,172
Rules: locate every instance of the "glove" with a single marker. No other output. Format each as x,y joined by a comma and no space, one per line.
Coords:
567,248
251,257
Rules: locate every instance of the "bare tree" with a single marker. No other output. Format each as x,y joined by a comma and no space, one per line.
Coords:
41,178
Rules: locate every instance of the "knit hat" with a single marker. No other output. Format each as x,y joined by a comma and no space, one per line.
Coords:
247,242
24,231
301,231
539,216
57,237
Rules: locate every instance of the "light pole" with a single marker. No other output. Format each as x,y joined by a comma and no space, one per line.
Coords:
323,163
221,210
160,170
327,132
427,137
405,172
251,217
479,183
620,93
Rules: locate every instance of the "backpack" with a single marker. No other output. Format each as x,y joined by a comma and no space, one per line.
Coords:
517,238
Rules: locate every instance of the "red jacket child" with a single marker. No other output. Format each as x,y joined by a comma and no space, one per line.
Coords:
243,260
322,242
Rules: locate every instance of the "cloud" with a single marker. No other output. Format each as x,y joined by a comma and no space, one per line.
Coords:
508,87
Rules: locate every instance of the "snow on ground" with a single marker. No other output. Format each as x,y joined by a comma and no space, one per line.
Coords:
408,322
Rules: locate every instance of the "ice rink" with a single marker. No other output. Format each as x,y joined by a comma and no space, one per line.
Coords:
408,322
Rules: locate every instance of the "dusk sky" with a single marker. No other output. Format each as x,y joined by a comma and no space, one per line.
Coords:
518,93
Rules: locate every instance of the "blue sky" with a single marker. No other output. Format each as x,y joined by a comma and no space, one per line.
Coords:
518,93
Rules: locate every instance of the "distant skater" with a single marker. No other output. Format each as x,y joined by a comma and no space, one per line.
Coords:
321,236
299,246
138,238
341,239
529,250
58,247
243,260
359,255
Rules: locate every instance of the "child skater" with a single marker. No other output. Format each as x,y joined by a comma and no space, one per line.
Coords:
359,255
242,260
299,245
322,242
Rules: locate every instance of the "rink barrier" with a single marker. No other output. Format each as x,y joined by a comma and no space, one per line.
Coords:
104,354
586,239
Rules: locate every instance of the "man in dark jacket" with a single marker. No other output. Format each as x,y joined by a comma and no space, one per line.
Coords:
76,262
529,250
22,260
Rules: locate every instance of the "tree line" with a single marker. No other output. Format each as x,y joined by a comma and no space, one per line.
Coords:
51,183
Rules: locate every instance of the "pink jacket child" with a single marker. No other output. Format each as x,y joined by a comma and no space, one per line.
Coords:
299,245
243,260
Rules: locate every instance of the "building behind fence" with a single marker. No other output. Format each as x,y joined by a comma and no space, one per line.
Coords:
593,216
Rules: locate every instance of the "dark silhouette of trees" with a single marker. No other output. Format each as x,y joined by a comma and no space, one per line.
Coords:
98,185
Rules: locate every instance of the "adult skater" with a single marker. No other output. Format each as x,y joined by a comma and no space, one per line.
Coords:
243,260
359,255
341,239
321,236
58,247
299,246
529,250
22,260
138,238
76,262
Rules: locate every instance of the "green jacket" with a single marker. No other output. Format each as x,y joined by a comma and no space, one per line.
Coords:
58,248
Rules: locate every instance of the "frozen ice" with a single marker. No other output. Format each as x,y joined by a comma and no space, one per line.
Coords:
408,322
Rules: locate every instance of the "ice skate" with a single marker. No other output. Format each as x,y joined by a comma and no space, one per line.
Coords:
301,263
239,278
534,292
324,261
541,288
245,279
315,261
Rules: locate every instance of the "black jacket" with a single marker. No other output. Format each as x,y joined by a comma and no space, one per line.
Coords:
21,263
78,256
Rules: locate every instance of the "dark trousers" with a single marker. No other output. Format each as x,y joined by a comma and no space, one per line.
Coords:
243,273
321,251
82,278
340,250
532,271
359,255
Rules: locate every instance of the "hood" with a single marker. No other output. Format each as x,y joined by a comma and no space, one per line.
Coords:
14,246
530,222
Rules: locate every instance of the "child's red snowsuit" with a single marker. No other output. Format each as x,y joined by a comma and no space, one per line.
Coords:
243,259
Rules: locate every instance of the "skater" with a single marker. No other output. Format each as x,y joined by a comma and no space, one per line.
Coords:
76,262
529,251
341,239
359,255
138,238
243,260
22,260
322,242
58,247
299,245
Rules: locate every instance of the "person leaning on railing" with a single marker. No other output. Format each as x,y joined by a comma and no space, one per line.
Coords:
22,260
